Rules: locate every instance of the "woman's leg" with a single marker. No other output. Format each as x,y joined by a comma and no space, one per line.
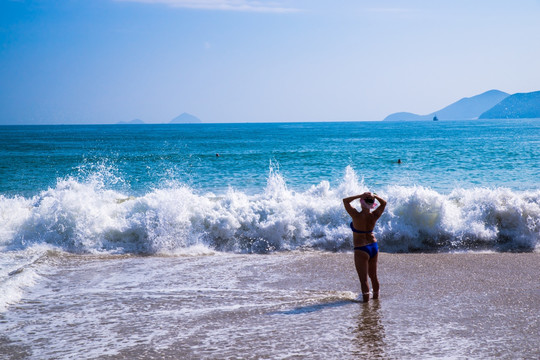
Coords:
372,271
361,259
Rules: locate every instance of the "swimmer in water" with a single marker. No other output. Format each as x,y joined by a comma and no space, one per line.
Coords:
366,249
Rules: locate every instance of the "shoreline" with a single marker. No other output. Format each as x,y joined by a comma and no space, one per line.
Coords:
295,305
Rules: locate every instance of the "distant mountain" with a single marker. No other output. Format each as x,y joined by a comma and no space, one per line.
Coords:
132,122
464,109
186,118
517,106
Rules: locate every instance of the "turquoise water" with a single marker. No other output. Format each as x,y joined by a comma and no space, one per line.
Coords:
161,190
151,189
137,158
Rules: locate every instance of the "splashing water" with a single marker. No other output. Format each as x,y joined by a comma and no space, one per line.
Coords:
86,217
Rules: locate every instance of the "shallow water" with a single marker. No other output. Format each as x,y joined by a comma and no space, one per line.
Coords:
289,305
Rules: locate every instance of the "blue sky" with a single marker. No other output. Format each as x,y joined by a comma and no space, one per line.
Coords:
105,61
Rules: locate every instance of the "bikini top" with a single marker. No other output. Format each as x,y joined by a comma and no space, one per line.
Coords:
358,231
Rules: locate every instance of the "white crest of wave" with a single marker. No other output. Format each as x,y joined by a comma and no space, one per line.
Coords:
419,218
85,216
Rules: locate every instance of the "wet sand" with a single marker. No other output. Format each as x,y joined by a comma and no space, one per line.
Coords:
279,306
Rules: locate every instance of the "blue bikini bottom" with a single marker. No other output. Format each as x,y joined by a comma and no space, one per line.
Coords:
371,249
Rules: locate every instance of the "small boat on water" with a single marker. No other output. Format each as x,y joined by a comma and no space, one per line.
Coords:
435,118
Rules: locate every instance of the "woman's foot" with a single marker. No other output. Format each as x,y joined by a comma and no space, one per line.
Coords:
364,297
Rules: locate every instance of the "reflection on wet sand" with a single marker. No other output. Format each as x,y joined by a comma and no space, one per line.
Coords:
369,333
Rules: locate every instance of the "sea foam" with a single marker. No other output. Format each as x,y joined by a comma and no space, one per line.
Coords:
84,216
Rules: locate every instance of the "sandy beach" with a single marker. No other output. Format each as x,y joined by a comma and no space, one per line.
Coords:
281,306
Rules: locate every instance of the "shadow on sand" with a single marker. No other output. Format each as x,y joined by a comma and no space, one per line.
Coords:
313,308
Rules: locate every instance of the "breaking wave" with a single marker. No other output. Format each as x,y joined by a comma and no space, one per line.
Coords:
85,216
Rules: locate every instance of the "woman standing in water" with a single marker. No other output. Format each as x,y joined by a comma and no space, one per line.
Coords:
366,250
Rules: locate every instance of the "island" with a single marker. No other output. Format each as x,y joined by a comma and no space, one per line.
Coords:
186,118
517,106
464,109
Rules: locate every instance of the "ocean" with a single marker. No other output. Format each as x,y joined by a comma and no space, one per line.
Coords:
171,241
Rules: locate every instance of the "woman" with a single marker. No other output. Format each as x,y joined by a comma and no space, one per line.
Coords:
366,250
